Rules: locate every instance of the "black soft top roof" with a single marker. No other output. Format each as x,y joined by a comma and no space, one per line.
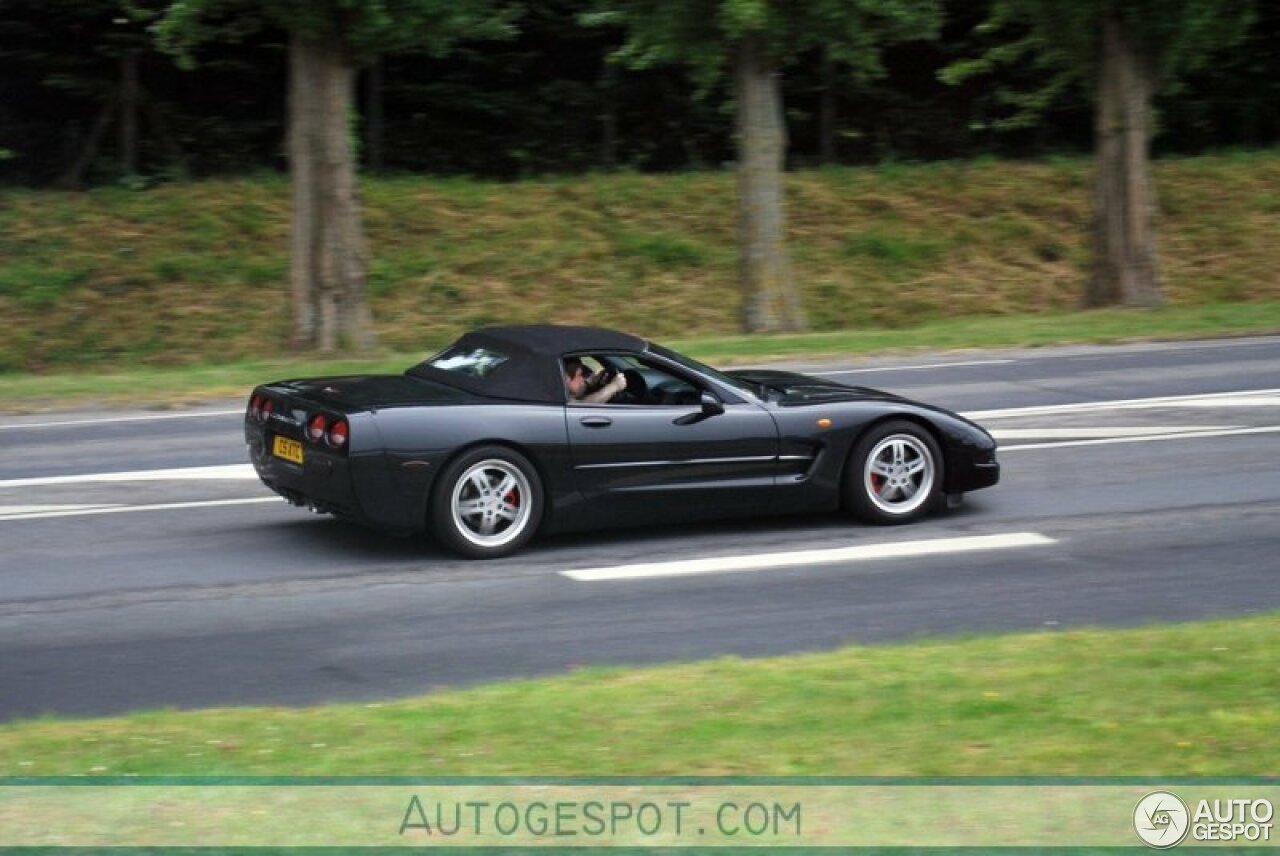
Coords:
532,372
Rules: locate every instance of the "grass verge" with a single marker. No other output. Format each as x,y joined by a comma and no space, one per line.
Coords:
197,273
1196,699
169,387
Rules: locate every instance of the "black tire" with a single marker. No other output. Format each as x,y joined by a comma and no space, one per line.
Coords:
880,485
486,503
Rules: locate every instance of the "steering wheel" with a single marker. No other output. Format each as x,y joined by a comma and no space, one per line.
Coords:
636,389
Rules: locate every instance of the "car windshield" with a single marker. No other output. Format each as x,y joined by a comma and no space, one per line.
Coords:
473,362
728,380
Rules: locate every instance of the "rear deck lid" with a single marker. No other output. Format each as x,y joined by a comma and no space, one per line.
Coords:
353,393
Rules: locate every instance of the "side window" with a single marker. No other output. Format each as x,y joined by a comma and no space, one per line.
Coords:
647,382
658,385
575,371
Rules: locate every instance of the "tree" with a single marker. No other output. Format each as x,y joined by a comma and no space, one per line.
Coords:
90,58
757,38
328,41
1126,50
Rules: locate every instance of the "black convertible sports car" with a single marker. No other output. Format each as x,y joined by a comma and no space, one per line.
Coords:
483,445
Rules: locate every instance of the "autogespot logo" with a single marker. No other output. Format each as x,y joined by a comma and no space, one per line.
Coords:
1161,820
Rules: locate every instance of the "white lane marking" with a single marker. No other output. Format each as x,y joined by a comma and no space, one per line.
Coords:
1243,398
129,509
150,417
228,472
918,368
769,561
9,510
1261,397
1102,433
1238,401
1270,429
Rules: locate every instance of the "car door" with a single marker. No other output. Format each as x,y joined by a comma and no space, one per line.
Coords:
673,460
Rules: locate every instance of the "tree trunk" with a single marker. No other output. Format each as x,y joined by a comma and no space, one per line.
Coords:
375,125
73,178
130,97
328,268
172,148
1125,269
609,117
769,294
827,112
304,244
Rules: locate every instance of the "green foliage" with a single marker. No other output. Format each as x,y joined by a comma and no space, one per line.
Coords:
1059,43
538,103
367,28
696,32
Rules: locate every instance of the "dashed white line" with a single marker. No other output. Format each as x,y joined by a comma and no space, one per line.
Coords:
771,561
12,510
1093,433
1193,435
228,472
150,417
129,509
1244,398
1061,437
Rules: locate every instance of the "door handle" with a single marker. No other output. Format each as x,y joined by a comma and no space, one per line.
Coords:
596,421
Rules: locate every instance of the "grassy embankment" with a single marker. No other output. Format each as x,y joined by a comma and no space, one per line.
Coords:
943,255
1194,699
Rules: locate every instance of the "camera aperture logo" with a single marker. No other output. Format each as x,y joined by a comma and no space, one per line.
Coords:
1161,820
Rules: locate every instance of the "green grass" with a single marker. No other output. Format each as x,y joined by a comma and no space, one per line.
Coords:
1030,330
34,287
169,387
1196,699
193,274
895,249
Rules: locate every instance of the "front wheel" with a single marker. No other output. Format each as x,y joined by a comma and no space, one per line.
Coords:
895,474
487,503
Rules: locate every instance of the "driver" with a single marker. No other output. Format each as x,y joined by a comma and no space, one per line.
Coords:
580,380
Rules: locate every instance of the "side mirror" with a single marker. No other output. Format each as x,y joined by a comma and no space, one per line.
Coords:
711,406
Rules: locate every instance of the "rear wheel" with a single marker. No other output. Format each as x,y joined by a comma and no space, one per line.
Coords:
895,474
487,503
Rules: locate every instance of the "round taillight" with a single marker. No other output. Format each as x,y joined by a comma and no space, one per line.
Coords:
315,428
267,407
338,434
255,406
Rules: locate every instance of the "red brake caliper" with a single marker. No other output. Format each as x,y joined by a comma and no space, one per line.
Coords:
512,498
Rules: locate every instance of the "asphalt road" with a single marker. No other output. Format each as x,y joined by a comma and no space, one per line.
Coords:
1155,498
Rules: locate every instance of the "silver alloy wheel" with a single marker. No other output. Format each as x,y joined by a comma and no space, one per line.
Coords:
898,474
491,503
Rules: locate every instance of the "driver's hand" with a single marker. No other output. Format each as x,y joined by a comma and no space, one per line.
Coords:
619,383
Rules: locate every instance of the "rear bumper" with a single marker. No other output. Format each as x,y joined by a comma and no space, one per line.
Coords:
322,482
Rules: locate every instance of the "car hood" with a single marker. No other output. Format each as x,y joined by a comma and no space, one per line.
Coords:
795,388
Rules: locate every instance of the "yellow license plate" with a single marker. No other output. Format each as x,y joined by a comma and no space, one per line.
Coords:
290,450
